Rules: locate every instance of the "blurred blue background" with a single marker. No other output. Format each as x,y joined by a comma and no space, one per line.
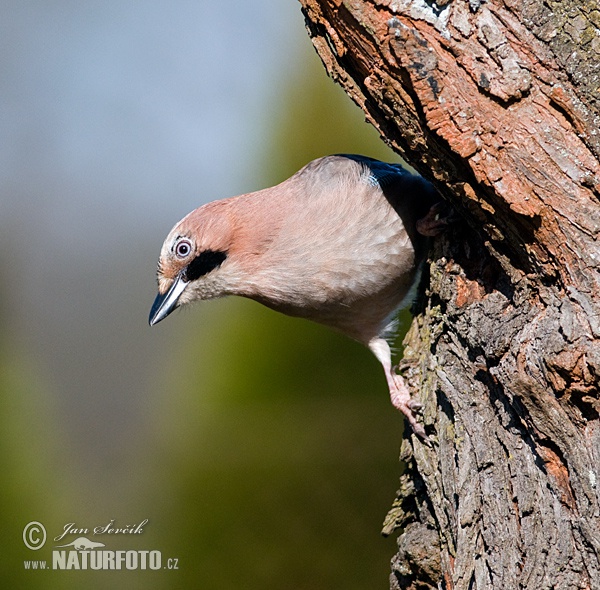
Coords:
261,449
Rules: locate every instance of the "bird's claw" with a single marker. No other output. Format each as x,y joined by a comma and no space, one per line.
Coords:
432,224
417,427
402,401
414,405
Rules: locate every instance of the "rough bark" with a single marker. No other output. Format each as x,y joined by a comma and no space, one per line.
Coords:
498,104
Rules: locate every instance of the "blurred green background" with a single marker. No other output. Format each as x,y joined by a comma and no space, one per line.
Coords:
261,449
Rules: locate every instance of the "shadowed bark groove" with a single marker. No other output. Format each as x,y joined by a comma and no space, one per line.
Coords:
498,103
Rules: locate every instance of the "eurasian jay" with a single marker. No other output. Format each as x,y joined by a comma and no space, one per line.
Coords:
341,243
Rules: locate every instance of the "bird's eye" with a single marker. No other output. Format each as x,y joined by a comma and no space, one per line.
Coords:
183,249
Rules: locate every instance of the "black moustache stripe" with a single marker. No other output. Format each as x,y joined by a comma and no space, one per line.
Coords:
204,263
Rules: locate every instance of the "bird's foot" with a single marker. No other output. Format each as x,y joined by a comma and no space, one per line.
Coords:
402,400
399,393
432,224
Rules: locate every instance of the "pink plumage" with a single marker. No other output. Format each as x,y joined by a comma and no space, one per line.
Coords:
339,243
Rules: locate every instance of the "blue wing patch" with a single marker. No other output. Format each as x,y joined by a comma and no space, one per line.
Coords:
380,173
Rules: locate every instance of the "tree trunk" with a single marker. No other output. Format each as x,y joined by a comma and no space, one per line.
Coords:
497,102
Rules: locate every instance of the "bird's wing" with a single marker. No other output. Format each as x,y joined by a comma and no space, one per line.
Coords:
381,173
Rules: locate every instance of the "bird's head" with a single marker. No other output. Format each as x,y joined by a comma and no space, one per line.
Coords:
190,260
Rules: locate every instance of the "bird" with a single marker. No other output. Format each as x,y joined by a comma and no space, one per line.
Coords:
341,242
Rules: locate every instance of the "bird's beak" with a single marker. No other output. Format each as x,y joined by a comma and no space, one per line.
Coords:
165,303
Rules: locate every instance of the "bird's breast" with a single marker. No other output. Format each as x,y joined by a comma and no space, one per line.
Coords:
350,281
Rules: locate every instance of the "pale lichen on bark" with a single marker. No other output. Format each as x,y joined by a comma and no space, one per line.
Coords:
496,102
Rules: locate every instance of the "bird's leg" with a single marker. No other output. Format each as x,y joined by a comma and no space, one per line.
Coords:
432,224
399,393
